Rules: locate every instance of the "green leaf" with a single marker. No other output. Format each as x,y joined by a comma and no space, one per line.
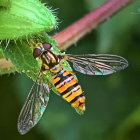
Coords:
5,3
20,54
1,53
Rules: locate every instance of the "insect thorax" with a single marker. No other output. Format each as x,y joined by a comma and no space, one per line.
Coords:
57,68
50,61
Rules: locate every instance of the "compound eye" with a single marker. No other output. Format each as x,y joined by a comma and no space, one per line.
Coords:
37,52
47,46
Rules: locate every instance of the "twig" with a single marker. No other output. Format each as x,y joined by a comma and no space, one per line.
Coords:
6,66
78,29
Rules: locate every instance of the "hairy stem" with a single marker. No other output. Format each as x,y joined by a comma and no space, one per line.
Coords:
78,29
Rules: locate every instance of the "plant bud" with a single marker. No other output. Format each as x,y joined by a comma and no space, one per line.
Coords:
25,18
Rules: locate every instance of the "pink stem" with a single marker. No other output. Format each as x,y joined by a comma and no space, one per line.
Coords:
78,29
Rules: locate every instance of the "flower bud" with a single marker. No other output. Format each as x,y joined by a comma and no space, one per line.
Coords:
25,18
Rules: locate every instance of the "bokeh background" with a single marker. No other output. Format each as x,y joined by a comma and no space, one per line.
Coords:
112,102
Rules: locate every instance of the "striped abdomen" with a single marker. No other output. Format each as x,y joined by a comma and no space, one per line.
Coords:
69,89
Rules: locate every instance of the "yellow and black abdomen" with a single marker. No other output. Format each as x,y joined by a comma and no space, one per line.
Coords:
69,89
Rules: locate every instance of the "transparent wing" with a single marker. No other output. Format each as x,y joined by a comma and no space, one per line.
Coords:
100,64
33,107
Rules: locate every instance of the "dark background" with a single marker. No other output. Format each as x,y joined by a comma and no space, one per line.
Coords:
112,102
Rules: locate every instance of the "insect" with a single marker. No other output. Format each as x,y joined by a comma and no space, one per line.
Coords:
64,81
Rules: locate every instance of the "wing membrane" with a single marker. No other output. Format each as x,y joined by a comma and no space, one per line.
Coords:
33,107
100,64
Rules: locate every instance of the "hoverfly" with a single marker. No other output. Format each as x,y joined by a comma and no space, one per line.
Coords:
63,80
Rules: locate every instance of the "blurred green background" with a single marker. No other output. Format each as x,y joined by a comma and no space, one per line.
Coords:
112,102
